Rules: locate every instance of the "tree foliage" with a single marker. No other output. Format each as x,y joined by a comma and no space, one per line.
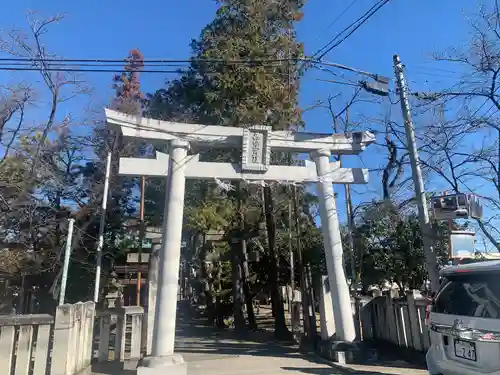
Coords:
392,246
243,71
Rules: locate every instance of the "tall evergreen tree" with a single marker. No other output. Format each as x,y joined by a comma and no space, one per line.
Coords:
239,76
129,98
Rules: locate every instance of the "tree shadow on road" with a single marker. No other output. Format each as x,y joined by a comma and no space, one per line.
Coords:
194,336
332,371
312,371
110,368
233,347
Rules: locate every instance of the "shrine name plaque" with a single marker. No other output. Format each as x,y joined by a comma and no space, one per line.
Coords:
256,153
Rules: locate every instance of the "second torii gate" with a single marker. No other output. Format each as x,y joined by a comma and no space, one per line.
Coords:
256,143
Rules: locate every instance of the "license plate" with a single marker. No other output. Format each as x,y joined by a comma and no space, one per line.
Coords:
465,350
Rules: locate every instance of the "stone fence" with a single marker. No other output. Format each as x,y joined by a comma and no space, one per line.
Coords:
120,334
400,321
41,344
66,344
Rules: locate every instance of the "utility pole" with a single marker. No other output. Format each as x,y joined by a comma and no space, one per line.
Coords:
141,239
67,254
418,182
102,225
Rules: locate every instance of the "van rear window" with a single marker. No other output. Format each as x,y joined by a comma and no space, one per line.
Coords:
474,295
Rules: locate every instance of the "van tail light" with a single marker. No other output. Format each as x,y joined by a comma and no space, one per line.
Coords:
428,310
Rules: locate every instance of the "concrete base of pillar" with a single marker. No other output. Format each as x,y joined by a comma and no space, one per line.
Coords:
343,352
171,365
130,364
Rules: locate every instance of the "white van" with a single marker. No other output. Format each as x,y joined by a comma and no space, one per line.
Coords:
464,321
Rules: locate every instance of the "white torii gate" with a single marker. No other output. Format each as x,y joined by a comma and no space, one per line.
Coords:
256,142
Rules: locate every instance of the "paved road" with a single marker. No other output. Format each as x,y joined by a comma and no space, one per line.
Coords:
216,352
209,352
253,365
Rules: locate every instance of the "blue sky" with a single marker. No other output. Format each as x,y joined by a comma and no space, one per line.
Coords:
163,29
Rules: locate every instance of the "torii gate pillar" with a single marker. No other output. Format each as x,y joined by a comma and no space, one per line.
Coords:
162,350
341,300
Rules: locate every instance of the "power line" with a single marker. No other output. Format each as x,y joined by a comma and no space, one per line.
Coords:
340,82
76,70
340,16
362,20
110,65
307,63
73,70
28,64
151,61
343,31
347,68
437,69
80,65
82,70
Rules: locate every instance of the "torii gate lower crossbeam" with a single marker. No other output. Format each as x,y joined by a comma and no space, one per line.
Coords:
255,163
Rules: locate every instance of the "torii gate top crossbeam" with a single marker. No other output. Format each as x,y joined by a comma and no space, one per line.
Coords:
226,136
